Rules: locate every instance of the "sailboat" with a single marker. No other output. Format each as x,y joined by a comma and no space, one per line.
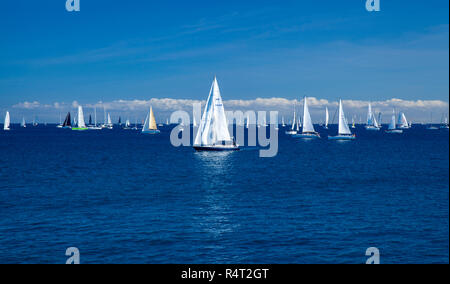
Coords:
60,125
402,121
120,121
444,122
94,126
294,124
344,132
67,122
81,125
167,122
150,124
213,133
431,126
393,126
308,130
35,122
247,124
135,125
282,122
23,124
109,124
372,123
7,125
327,118
127,125
353,122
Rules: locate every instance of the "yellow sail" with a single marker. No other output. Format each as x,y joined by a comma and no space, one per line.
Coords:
152,123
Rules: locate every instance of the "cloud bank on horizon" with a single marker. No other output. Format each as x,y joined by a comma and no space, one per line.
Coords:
417,110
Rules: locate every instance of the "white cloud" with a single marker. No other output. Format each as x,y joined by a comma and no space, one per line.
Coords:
167,104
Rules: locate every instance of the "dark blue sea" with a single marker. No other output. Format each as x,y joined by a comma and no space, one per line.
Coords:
122,197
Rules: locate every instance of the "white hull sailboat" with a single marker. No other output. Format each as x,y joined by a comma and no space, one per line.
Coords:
127,125
67,124
150,124
372,123
393,126
344,132
327,118
402,121
23,124
213,133
7,125
431,126
308,130
294,125
444,123
94,126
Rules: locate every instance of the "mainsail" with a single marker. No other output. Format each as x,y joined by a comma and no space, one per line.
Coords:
23,124
393,125
213,127
150,122
7,121
81,123
327,117
343,124
294,121
307,122
402,121
67,121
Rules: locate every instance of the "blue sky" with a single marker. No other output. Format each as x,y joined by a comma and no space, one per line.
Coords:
139,50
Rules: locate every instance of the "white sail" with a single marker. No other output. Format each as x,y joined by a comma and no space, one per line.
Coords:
127,123
370,115
23,124
282,122
343,124
95,116
375,122
81,123
393,125
7,121
327,117
294,121
213,127
402,121
109,119
307,122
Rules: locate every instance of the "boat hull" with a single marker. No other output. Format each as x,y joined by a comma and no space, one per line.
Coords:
151,132
216,148
342,137
307,136
373,128
291,132
80,129
394,131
